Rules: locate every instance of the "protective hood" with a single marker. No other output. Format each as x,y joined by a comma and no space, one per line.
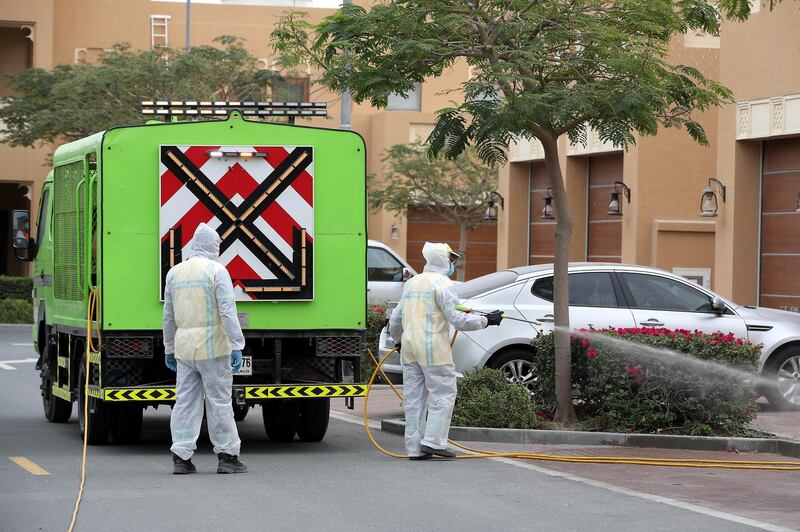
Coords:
437,256
205,243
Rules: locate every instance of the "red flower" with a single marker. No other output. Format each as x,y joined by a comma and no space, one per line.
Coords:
585,342
541,414
592,352
380,310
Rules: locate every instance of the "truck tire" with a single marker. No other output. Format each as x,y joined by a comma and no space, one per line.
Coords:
240,411
56,410
100,420
127,424
785,364
314,416
280,419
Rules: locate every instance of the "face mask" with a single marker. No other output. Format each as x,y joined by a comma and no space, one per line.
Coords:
451,270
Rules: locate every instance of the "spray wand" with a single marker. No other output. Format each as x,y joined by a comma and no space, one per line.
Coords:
468,310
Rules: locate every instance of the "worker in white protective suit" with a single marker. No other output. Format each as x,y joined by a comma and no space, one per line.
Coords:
203,343
420,325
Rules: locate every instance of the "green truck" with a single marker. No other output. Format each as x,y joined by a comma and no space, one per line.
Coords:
119,208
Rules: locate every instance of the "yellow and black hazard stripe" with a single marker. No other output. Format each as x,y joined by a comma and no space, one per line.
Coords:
276,391
304,391
140,394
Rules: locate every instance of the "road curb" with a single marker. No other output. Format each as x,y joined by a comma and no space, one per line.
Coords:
658,441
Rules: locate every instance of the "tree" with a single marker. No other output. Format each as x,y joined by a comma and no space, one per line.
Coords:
457,189
541,68
72,101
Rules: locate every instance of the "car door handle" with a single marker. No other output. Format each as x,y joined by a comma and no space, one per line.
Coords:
652,322
547,318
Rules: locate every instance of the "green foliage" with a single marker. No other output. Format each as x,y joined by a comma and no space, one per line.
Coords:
16,311
15,287
457,189
487,399
630,380
376,319
73,101
543,68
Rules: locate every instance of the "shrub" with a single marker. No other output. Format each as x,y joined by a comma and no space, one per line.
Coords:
655,380
487,399
16,311
376,318
15,287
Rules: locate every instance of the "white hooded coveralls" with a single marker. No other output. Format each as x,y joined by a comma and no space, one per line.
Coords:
201,328
422,322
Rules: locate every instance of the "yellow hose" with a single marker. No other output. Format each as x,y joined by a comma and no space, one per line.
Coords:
663,462
91,311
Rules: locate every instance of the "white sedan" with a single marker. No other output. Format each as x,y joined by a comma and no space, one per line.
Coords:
615,295
387,272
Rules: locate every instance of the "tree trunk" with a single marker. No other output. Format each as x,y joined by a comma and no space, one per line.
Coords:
461,265
565,411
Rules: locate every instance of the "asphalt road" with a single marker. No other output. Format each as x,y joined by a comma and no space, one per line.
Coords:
340,483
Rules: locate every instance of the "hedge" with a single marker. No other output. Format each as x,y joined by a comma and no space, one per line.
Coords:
376,317
486,399
16,311
655,380
15,287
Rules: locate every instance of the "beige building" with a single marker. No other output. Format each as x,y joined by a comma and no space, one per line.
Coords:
44,33
750,249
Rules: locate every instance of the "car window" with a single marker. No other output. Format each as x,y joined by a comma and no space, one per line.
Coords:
593,289
43,209
662,293
485,283
382,266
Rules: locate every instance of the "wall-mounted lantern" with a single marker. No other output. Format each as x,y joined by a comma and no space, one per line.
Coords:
395,232
614,208
492,199
547,211
708,202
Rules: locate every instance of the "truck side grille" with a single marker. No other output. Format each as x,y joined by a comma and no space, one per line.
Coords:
340,346
130,347
68,263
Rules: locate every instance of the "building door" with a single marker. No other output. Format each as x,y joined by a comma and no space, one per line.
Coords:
604,231
779,284
542,231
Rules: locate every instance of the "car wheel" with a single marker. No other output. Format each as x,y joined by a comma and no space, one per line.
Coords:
314,416
56,410
280,419
783,373
517,364
99,422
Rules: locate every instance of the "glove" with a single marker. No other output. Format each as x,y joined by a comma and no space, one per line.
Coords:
397,346
494,317
236,360
170,362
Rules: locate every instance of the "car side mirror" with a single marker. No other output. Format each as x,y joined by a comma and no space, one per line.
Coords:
21,234
407,274
718,305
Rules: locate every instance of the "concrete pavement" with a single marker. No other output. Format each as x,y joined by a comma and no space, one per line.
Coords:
340,483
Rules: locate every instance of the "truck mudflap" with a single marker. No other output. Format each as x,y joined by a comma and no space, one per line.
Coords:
272,391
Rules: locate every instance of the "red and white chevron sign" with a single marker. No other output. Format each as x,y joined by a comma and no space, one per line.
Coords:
260,199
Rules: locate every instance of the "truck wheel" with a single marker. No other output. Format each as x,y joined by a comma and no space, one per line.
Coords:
314,416
783,372
280,419
100,420
56,410
240,412
127,424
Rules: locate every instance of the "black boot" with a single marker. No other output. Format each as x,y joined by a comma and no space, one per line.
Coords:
230,464
181,466
444,453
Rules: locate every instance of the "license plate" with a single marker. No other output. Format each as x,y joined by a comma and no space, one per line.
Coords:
247,366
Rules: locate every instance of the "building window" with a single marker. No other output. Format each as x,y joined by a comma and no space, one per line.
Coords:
290,89
159,31
409,101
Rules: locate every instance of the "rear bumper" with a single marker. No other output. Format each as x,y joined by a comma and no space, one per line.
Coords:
253,393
